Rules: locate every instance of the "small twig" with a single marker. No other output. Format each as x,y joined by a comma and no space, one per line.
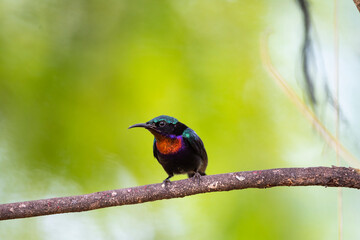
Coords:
357,3
313,176
331,140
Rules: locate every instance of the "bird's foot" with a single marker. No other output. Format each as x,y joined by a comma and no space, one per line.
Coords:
166,182
197,177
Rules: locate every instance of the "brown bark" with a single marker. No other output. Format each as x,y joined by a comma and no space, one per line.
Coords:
357,3
313,176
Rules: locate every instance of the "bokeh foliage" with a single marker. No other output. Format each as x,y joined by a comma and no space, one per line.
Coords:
75,74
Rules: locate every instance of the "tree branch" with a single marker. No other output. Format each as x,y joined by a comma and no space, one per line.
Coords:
313,176
357,3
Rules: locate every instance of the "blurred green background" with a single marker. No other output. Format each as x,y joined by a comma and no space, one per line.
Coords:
75,74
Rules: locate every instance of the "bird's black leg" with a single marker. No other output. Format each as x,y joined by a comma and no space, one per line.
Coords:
197,177
167,180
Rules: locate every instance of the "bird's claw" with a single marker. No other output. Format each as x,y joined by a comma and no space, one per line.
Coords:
166,183
197,177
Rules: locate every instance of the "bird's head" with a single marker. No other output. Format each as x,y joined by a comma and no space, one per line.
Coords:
163,126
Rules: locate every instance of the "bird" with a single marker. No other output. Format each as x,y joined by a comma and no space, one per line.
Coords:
176,147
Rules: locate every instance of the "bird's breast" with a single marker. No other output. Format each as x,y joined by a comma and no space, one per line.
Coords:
169,145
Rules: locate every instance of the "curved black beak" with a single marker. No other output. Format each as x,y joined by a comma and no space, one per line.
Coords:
143,125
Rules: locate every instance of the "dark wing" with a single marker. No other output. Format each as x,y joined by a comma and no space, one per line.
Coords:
197,145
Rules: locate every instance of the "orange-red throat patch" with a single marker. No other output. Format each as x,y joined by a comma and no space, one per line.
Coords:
167,145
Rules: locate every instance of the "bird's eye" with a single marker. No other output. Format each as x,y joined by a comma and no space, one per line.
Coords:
161,124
